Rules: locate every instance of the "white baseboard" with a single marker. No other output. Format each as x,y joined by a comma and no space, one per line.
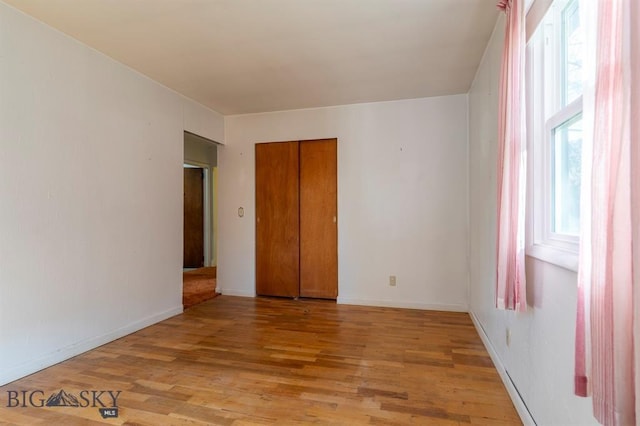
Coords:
232,292
62,354
521,407
402,304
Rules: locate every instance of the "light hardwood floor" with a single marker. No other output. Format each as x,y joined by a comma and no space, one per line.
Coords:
244,361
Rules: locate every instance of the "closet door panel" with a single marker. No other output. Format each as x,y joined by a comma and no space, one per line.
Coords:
318,219
277,219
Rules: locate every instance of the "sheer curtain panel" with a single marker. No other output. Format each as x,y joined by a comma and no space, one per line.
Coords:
510,282
605,355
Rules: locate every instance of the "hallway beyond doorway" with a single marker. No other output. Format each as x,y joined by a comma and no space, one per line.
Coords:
198,285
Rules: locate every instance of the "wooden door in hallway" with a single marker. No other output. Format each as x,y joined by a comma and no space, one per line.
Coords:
277,220
193,236
318,219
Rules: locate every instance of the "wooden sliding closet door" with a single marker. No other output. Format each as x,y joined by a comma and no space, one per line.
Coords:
277,219
318,219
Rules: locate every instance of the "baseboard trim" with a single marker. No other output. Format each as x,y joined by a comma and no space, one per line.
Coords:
62,354
232,292
402,304
521,407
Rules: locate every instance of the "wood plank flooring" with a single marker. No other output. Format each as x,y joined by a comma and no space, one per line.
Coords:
198,286
244,361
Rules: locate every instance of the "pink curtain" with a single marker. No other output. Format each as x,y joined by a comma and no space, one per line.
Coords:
635,187
605,355
510,283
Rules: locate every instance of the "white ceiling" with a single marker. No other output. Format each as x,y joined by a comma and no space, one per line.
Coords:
242,56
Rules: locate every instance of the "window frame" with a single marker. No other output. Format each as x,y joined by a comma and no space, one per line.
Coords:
543,92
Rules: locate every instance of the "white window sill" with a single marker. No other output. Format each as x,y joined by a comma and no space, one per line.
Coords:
567,259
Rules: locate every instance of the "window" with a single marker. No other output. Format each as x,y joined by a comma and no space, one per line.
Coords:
554,92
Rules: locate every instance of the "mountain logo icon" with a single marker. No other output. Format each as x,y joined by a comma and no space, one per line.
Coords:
62,399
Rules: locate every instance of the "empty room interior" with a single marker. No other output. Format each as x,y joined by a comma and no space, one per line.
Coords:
348,169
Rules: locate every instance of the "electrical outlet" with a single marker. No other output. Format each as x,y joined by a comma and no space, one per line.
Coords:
508,337
392,280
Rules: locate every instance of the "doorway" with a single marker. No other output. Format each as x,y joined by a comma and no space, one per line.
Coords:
199,219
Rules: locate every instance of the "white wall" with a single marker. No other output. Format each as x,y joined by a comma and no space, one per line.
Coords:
402,198
90,196
202,121
539,359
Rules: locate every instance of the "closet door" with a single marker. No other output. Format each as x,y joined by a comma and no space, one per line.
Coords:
318,219
277,219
